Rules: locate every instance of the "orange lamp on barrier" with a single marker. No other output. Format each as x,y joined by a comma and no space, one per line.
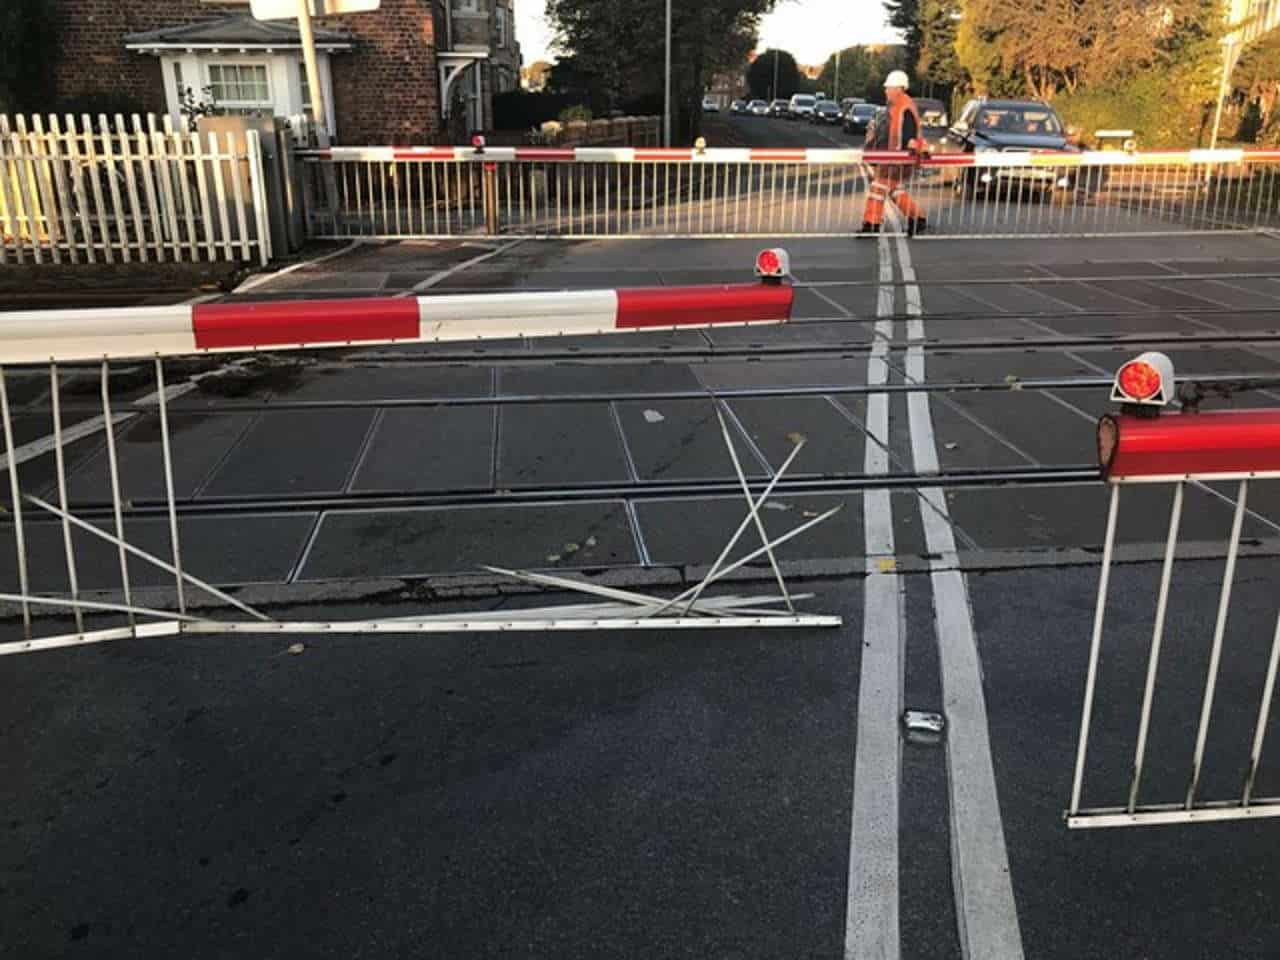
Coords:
1139,445
1146,381
773,265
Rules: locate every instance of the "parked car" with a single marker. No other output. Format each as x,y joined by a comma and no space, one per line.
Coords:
738,106
987,125
858,118
758,108
801,106
828,112
780,108
933,116
709,105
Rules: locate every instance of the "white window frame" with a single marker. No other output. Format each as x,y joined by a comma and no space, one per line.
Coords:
269,104
284,81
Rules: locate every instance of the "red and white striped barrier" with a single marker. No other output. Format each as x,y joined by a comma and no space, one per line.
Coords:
769,155
83,335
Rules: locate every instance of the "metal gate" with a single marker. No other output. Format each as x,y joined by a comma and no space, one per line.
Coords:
42,346
1139,448
436,192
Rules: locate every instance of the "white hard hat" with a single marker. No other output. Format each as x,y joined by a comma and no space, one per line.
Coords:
898,78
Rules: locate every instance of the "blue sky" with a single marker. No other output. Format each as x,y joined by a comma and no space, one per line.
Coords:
811,29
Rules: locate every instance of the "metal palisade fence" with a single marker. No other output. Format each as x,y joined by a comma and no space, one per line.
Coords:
117,191
389,192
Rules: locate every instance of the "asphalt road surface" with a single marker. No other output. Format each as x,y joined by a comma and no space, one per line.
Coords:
660,795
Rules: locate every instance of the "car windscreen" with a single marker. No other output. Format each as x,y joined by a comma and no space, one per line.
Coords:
826,106
865,111
803,101
1019,120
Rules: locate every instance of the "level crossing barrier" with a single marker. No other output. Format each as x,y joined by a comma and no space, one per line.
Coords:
106,191
1143,446
43,346
436,192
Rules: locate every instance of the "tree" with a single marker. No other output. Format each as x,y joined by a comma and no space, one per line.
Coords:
620,43
28,49
862,71
535,75
762,71
904,15
1044,46
938,69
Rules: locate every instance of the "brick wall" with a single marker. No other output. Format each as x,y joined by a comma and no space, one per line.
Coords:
94,60
385,91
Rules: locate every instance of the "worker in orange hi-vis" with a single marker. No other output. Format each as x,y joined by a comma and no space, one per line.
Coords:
897,129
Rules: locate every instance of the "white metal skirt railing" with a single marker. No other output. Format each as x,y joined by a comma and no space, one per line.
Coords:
1236,450
391,192
116,192
128,358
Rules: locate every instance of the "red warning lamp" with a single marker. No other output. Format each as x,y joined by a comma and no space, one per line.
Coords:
1145,381
1139,381
773,265
478,142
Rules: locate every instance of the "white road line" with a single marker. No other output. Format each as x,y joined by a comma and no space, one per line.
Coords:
254,282
985,909
443,275
871,920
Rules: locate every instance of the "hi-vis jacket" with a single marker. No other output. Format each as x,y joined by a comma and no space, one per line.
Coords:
896,129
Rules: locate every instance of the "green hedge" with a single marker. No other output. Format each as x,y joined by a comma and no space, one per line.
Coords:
1162,109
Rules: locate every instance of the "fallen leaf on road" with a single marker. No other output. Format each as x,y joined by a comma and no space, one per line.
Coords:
797,438
297,648
653,416
951,446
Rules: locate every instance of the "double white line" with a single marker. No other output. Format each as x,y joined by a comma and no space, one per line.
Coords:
985,908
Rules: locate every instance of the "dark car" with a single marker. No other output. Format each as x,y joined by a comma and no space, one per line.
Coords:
738,106
933,117
859,118
826,111
780,109
1012,126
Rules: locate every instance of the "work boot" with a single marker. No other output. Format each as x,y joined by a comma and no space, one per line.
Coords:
917,226
868,227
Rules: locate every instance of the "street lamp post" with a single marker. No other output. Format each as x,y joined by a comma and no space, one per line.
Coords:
666,110
775,75
837,95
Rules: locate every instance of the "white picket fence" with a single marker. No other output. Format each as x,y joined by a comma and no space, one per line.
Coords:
116,192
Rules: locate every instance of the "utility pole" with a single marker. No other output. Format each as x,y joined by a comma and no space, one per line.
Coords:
308,37
775,75
1228,65
837,96
666,110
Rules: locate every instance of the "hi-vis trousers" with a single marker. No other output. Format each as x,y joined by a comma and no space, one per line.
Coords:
888,185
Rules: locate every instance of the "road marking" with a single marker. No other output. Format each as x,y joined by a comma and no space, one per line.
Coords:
985,909
443,275
871,919
254,282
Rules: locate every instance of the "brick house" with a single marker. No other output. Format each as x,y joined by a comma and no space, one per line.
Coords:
414,71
